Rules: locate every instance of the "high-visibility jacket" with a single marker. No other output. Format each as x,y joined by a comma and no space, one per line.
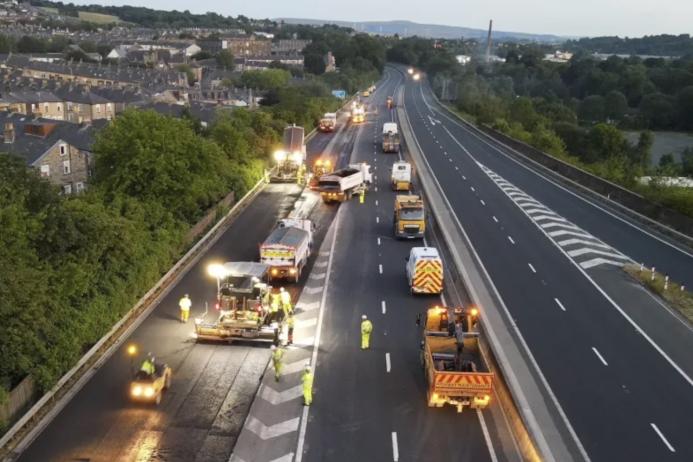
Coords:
366,327
277,355
290,322
185,303
274,306
285,297
148,367
307,381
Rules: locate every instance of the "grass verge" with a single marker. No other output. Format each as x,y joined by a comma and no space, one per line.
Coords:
679,298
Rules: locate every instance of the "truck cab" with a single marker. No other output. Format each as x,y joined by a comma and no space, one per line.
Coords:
401,176
290,159
424,271
390,137
328,122
409,217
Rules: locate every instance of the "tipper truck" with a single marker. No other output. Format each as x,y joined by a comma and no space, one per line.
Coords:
243,304
341,184
455,373
358,114
390,137
328,123
290,160
321,167
409,218
401,176
287,249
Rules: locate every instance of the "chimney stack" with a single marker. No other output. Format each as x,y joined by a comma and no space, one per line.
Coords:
9,132
488,41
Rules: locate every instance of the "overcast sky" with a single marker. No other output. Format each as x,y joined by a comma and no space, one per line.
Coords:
631,18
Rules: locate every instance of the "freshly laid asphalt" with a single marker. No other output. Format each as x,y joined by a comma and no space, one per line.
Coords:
623,397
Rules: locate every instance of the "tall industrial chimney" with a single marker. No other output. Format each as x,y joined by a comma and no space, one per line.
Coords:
488,41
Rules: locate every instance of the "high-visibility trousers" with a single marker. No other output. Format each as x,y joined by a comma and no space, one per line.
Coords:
184,314
365,340
307,395
277,368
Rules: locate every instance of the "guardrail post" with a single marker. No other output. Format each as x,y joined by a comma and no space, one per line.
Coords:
666,282
653,274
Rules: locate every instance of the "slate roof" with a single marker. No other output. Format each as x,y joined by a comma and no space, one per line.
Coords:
32,147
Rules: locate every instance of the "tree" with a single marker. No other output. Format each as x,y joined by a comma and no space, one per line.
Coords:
522,110
687,162
605,141
28,44
684,108
642,151
657,111
269,79
592,109
225,59
616,105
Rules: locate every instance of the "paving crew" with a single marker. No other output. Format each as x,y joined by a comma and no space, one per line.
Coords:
185,305
307,381
366,329
285,298
148,366
362,196
277,355
290,323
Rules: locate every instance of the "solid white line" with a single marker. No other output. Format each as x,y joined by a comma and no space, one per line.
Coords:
377,219
560,305
383,306
380,269
532,268
395,449
316,344
511,240
495,219
661,435
482,202
378,241
487,436
388,365
601,358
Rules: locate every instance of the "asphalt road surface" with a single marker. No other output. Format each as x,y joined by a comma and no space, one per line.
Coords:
618,362
371,405
213,384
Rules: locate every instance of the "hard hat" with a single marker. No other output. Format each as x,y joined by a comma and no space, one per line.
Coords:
273,347
186,295
281,289
363,316
307,367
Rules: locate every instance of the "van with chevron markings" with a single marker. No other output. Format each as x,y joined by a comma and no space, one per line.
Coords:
424,271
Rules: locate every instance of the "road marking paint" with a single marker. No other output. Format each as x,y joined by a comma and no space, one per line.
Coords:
395,449
487,436
559,225
266,432
376,189
464,178
376,202
584,250
568,233
532,268
482,202
383,306
380,269
601,261
456,167
495,219
472,188
560,305
583,242
388,366
661,435
378,241
377,219
601,358
511,240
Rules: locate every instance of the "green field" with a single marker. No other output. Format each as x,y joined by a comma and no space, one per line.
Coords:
97,18
49,10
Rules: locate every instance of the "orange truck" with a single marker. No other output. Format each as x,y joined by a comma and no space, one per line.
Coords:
455,373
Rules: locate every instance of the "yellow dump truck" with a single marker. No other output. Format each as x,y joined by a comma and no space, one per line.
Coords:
450,355
409,217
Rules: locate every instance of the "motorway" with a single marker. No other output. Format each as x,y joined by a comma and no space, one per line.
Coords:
213,385
370,405
617,361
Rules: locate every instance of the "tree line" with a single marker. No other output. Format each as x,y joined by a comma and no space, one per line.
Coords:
573,110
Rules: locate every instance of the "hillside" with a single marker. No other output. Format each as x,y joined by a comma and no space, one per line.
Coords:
408,28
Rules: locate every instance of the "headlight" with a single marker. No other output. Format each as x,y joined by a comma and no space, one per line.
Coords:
292,271
417,76
136,391
318,162
275,271
279,156
148,392
297,157
410,70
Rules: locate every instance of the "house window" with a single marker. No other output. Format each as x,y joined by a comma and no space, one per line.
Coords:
45,170
66,167
63,149
45,108
79,186
67,189
98,109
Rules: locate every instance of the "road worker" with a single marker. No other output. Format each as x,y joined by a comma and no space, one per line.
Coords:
285,298
274,306
362,196
148,366
277,355
290,322
307,381
185,305
366,329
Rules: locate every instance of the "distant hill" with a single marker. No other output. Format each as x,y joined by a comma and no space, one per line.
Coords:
408,28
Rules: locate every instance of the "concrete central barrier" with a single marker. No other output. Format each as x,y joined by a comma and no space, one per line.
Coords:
537,421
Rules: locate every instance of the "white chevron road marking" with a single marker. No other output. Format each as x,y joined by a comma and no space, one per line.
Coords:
568,242
275,397
312,290
267,432
599,261
586,250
